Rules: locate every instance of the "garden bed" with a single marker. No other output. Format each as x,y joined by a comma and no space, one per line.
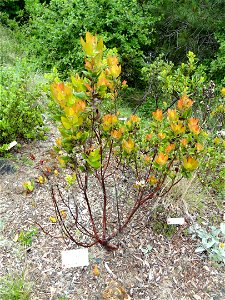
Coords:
147,265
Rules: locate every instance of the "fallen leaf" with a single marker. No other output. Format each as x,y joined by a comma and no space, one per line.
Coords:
32,157
16,237
95,270
52,219
63,214
115,291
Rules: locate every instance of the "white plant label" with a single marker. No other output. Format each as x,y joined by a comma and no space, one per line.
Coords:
175,221
75,258
11,145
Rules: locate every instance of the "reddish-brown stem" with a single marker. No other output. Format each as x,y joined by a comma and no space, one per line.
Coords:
104,216
108,159
89,207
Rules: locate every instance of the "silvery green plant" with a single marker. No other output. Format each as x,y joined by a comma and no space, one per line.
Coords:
212,241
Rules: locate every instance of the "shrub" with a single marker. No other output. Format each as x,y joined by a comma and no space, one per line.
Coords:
127,162
20,112
167,82
54,31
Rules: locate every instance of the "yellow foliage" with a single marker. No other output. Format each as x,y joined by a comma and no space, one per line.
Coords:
128,146
178,127
161,135
190,163
134,119
172,115
152,180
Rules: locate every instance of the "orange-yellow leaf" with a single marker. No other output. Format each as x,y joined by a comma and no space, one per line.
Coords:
115,71
109,121
161,135
199,147
184,103
134,119
193,125
96,271
112,60
128,145
184,142
178,127
152,180
148,136
170,147
161,158
190,163
158,115
147,158
116,134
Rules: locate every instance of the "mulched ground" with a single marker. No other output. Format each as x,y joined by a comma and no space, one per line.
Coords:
170,270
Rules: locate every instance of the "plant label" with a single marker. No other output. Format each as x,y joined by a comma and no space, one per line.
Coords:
75,258
175,221
11,145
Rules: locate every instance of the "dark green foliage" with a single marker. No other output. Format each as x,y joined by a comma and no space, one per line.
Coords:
188,25
12,8
54,31
218,64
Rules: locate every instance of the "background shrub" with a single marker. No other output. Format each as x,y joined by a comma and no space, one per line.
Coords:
20,113
54,30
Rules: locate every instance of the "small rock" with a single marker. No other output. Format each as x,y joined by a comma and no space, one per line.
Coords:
6,167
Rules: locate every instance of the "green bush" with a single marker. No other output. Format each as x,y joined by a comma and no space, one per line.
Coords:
190,25
168,82
11,8
54,30
20,112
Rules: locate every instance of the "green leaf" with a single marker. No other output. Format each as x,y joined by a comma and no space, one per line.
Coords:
80,95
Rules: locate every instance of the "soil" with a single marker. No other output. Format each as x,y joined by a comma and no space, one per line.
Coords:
147,265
